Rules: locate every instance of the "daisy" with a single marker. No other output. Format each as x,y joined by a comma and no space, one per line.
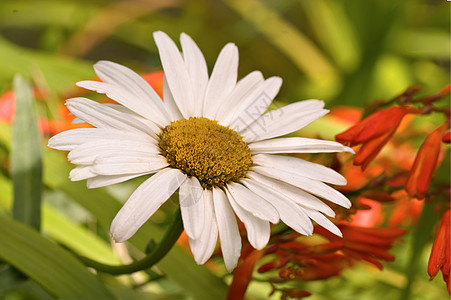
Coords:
210,139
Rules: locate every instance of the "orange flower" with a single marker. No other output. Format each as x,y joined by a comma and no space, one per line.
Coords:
7,107
242,275
361,243
373,133
406,210
440,253
425,164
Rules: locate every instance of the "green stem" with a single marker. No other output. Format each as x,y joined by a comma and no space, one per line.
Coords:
420,237
166,244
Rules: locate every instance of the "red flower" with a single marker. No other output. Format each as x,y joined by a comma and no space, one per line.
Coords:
406,210
440,253
242,275
361,243
373,133
447,137
425,164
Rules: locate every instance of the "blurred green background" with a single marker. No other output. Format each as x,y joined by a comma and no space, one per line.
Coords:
345,52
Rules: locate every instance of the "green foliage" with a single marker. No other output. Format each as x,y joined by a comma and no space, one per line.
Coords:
26,165
56,270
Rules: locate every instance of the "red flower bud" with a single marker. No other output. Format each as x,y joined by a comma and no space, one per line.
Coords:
424,164
440,253
373,133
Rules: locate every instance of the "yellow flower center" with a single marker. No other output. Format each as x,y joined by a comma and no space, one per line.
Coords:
200,147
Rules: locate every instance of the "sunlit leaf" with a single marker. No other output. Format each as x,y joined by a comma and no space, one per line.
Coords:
26,162
52,267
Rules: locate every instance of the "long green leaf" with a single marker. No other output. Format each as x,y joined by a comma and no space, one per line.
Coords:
26,157
286,37
56,270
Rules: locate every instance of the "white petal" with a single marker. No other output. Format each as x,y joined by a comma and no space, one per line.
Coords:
176,74
295,194
284,120
105,180
192,207
258,230
321,220
103,116
312,186
126,79
144,201
290,213
131,114
242,89
86,153
297,145
76,121
127,99
299,167
128,164
222,81
81,173
169,102
253,203
69,139
197,70
203,247
255,104
228,229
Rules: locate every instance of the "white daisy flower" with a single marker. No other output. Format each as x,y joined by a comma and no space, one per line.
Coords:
212,140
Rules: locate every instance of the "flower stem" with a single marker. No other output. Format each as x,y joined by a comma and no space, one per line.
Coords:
170,238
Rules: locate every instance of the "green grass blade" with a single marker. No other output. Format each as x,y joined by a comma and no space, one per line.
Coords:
56,270
26,157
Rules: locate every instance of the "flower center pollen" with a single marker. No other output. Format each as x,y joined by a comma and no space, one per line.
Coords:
200,147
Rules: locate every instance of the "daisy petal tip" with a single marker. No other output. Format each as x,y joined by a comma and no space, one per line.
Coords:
103,64
341,181
184,36
348,149
91,185
279,80
231,266
200,259
261,245
117,232
51,142
160,35
117,239
81,83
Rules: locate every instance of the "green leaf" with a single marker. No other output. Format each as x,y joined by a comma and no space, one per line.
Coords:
64,231
56,270
26,157
421,235
28,290
9,277
76,237
58,71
